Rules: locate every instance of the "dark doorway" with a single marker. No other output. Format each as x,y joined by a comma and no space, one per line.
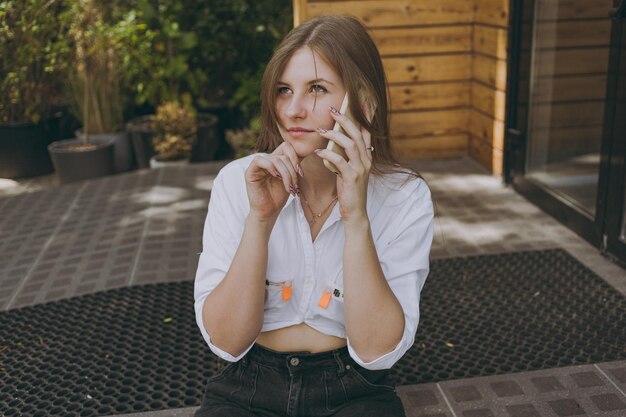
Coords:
566,131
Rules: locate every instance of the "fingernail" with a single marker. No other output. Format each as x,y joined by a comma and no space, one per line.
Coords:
322,130
334,110
300,171
317,151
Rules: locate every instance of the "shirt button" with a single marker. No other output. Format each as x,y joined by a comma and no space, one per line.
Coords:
294,361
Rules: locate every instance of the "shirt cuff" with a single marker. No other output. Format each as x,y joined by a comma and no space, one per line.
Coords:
383,362
225,355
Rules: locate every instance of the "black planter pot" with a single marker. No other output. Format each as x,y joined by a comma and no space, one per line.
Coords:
72,164
206,143
123,154
140,131
203,149
24,148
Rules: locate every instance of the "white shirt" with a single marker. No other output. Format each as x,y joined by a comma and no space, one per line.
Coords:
401,219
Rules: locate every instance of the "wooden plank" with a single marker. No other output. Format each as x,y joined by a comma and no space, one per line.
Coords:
567,115
430,96
428,68
300,11
490,41
573,33
571,61
487,129
573,9
408,41
592,87
429,123
490,71
386,13
492,12
431,147
489,100
486,155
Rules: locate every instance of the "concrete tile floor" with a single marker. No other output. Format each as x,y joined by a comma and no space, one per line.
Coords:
146,226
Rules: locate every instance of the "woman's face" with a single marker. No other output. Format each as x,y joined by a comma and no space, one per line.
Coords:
304,96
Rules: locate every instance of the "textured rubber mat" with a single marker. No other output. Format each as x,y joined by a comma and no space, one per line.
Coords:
138,349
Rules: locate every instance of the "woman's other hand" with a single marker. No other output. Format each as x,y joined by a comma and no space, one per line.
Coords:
270,179
352,183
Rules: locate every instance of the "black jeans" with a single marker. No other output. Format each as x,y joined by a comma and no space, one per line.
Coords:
265,383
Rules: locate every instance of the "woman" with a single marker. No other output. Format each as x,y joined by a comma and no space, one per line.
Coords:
309,282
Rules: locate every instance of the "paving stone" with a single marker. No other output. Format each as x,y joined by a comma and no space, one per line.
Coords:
566,407
587,379
547,384
465,393
522,410
482,412
507,388
608,402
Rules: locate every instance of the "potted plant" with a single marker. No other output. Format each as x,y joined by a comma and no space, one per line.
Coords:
174,133
34,56
101,147
243,141
174,127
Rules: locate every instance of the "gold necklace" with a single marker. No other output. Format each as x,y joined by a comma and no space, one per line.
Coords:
321,213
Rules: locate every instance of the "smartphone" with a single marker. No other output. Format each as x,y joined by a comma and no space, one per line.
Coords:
332,146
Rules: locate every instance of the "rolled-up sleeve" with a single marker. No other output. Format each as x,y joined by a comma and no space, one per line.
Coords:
403,252
223,230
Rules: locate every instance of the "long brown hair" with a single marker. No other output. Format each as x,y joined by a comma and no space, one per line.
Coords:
345,44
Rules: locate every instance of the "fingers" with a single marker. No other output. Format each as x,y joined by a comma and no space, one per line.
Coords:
346,143
346,172
287,172
367,139
350,128
280,167
287,149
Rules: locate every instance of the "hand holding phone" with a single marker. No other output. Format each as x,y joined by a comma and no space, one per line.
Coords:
332,146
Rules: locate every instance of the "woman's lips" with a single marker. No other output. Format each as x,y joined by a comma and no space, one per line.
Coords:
297,132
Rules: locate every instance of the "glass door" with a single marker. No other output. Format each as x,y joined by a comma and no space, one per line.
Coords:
616,145
565,141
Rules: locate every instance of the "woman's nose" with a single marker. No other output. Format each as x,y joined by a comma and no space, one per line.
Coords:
296,108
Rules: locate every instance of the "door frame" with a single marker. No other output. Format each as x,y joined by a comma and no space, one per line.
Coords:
601,230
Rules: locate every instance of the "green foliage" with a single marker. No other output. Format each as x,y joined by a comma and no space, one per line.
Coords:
174,131
213,50
243,141
207,53
33,56
105,40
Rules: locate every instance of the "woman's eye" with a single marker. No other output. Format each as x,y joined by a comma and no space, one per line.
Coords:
283,90
318,89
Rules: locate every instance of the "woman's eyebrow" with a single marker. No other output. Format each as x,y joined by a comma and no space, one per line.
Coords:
318,80
315,81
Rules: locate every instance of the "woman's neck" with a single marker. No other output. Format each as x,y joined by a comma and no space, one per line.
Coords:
319,183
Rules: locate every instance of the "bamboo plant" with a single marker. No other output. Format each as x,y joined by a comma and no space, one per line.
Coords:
95,81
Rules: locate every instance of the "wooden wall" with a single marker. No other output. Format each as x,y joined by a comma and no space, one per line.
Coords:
446,65
488,84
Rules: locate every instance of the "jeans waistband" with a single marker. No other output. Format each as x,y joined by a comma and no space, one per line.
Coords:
296,361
